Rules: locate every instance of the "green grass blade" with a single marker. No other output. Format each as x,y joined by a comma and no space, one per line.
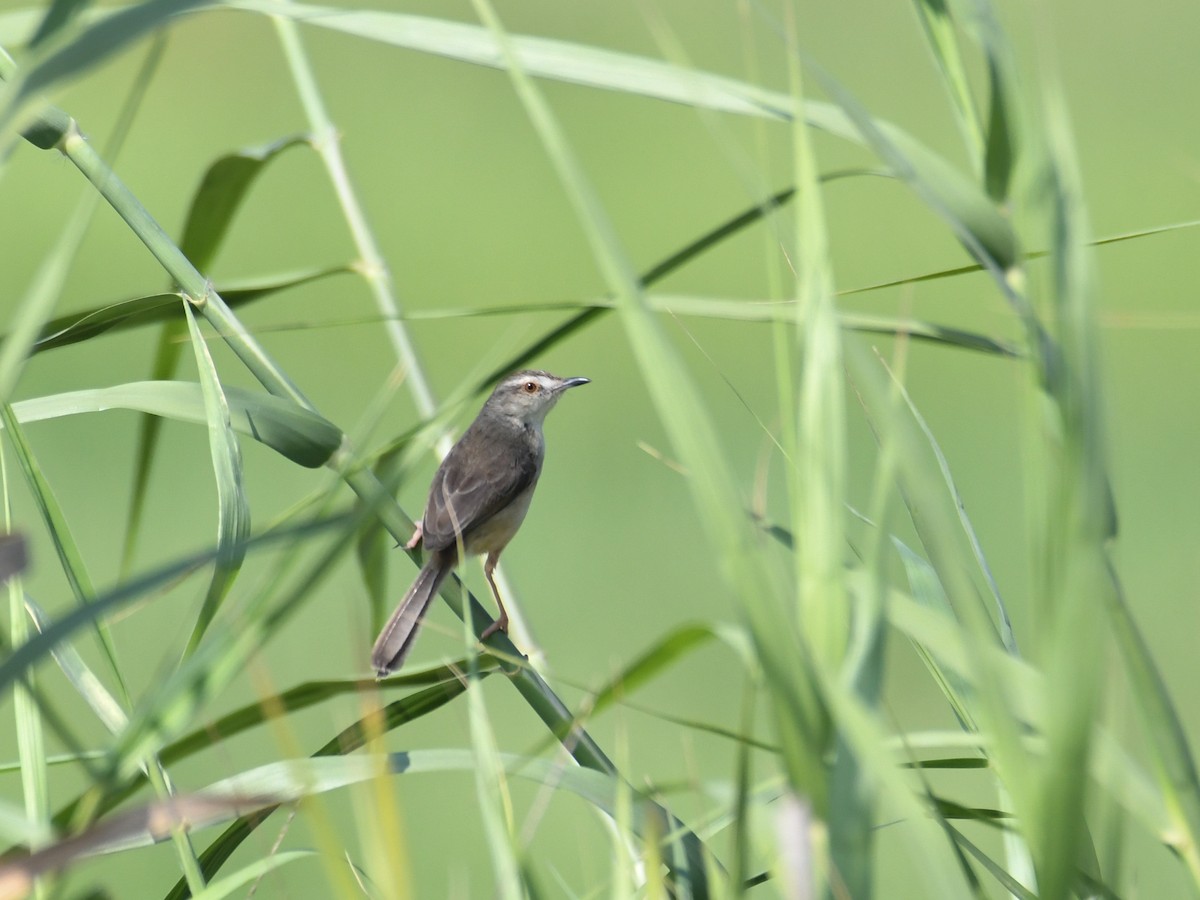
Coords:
86,683
938,24
222,190
59,14
138,311
255,871
233,506
291,430
31,743
67,550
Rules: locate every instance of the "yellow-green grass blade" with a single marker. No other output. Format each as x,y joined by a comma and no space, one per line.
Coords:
294,432
1071,521
816,481
1004,621
31,742
493,799
254,872
233,505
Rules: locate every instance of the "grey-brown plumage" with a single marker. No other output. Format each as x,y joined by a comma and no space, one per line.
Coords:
478,499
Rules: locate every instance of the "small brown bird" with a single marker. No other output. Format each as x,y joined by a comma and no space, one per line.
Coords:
478,500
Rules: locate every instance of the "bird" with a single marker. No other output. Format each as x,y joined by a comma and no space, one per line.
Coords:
477,501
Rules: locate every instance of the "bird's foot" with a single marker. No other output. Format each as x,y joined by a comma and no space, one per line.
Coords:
415,539
501,624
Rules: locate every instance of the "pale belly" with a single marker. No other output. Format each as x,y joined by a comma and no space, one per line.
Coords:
492,536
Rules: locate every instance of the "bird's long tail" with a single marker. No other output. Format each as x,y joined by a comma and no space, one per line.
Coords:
398,635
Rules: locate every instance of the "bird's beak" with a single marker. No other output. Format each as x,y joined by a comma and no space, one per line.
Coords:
574,382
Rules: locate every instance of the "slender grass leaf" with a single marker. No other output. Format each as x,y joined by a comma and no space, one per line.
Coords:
69,556
927,590
82,678
58,16
138,311
997,871
30,734
233,506
57,759
296,433
222,189
1032,254
1001,143
492,801
938,24
752,310
296,779
218,890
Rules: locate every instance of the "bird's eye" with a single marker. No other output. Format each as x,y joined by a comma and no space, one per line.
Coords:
531,387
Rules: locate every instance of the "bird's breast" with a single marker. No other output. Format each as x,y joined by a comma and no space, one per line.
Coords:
492,535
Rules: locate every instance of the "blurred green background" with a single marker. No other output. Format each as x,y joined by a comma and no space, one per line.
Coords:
469,213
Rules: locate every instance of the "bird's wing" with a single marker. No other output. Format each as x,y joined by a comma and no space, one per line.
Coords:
467,491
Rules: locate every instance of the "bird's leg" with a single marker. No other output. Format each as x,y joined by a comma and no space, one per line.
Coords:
501,624
416,538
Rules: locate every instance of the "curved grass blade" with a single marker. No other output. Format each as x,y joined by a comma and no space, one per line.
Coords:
138,311
291,430
233,506
220,889
222,189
